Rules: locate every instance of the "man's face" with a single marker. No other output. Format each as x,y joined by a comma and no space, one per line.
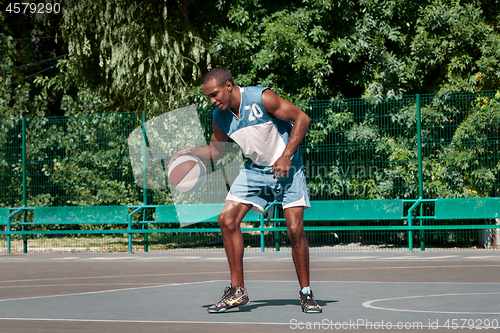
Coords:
219,95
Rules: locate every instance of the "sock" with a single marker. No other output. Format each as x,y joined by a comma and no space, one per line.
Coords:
306,290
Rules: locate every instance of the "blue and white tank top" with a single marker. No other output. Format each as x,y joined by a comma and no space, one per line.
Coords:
261,138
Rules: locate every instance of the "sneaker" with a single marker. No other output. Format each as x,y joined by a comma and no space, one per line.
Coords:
308,303
232,298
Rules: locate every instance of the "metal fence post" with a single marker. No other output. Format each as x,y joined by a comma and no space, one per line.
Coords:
25,194
144,179
262,241
420,171
8,234
24,160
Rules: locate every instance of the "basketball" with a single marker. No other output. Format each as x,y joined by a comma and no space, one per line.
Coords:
187,173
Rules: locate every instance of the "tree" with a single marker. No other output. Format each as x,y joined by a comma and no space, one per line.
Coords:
144,55
316,49
30,45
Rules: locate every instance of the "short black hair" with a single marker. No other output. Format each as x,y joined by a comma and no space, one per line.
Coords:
221,75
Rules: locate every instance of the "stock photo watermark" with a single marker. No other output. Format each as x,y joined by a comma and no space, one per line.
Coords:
355,324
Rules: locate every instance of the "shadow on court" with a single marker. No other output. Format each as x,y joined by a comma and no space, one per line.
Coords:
255,304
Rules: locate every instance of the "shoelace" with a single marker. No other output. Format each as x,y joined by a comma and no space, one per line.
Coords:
227,291
310,301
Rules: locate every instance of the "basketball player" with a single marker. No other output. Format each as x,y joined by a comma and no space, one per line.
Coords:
260,123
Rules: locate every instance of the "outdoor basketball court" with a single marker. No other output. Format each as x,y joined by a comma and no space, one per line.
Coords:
434,291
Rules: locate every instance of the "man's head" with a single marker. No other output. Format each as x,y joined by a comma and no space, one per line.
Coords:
218,86
220,75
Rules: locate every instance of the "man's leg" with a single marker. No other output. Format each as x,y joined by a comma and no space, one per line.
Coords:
229,222
294,217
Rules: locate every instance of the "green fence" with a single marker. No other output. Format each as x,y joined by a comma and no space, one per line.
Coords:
416,148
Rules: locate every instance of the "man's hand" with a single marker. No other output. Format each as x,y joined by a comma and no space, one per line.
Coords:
281,167
284,110
187,151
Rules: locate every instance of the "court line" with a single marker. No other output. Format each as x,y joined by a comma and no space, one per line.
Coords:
79,284
416,258
401,267
368,304
107,291
114,276
251,258
365,304
483,257
148,321
251,271
253,281
247,280
205,322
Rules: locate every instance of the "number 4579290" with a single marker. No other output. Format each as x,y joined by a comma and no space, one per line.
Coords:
38,8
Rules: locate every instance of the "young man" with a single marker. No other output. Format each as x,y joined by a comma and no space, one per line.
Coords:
260,123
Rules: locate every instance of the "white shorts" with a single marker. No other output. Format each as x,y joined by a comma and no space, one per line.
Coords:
255,185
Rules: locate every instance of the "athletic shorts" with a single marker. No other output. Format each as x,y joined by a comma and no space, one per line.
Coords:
255,185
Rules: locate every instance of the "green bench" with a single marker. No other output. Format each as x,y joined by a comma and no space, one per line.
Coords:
459,209
189,214
66,216
4,215
81,215
345,210
350,210
467,208
195,213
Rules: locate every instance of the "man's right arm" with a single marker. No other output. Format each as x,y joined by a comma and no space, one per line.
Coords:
211,152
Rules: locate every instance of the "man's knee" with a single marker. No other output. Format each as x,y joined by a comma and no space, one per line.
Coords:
227,223
296,232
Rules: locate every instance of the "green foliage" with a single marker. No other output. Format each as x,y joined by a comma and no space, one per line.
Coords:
277,45
369,150
30,45
455,46
468,165
375,48
142,54
14,100
151,57
78,161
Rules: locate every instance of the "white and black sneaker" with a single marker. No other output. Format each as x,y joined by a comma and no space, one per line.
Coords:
308,303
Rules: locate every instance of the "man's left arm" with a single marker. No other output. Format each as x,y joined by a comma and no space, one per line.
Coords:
279,108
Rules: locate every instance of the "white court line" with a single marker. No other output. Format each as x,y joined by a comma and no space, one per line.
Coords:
483,257
67,258
257,258
218,323
368,304
107,291
391,282
149,321
365,304
248,280
416,258
216,258
400,267
347,258
251,271
116,276
109,258
80,284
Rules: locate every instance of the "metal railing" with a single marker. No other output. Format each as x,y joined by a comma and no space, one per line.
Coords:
416,148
